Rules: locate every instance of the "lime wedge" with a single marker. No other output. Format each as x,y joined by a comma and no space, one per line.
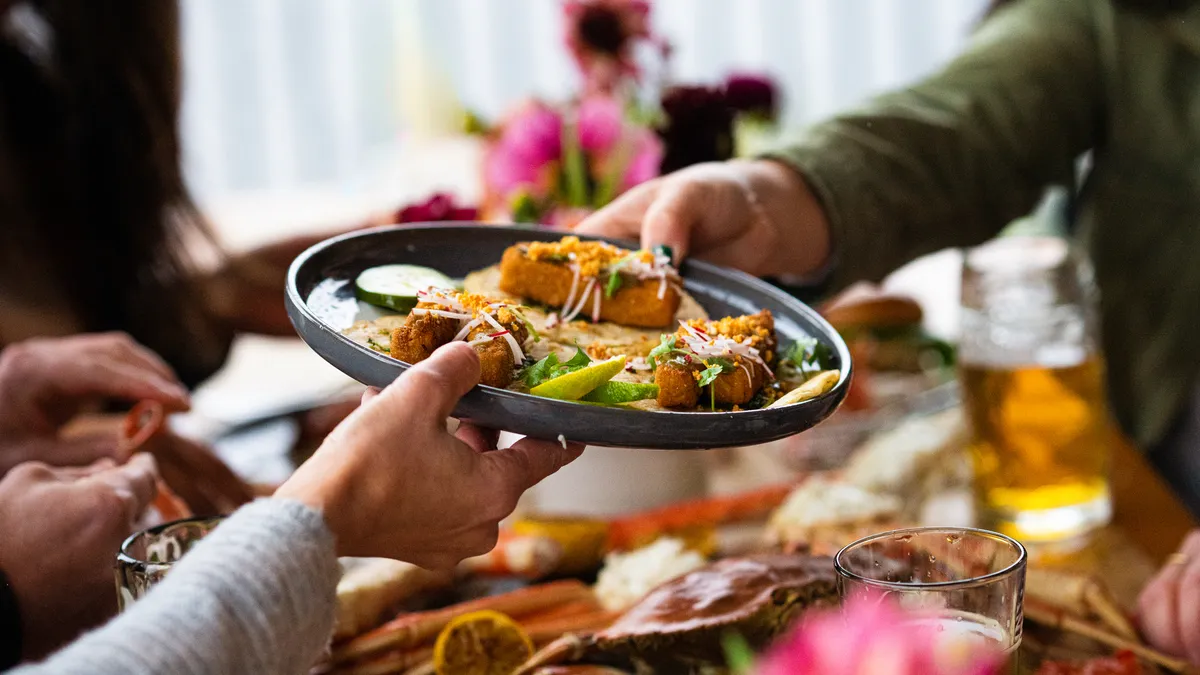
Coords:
621,392
396,286
815,386
573,386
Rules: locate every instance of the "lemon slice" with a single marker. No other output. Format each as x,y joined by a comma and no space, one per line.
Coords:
574,386
621,392
815,386
481,643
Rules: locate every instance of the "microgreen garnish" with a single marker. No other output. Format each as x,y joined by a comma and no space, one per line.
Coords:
808,356
715,367
550,368
614,276
665,347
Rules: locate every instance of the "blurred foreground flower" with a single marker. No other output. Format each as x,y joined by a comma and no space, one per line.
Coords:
870,637
601,36
698,127
439,207
752,95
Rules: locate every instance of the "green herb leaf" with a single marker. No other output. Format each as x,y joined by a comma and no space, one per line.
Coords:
541,371
665,347
578,361
807,355
716,366
613,285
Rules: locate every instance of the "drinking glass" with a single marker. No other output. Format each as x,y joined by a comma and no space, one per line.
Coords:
147,556
1033,385
969,584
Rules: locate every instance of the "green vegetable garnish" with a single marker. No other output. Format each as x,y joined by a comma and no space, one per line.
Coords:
716,366
738,654
666,347
550,368
808,356
613,285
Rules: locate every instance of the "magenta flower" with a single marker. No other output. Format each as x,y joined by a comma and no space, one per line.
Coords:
646,160
870,637
601,124
522,157
439,207
755,95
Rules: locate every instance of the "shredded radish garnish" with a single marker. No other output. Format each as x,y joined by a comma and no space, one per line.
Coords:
574,286
441,297
462,334
518,355
638,363
482,339
442,313
497,334
552,320
587,290
596,306
662,288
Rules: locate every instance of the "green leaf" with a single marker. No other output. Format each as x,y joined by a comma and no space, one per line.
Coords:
540,371
738,655
716,366
807,355
665,347
578,361
613,285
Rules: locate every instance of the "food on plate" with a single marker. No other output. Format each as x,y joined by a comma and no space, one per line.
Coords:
678,626
627,577
1123,663
824,514
370,587
594,279
527,321
732,357
481,643
1078,593
581,539
397,286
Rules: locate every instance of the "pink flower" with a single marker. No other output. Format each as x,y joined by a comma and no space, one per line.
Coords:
646,161
601,124
870,637
529,143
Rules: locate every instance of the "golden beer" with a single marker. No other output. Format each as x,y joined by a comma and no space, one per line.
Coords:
1040,447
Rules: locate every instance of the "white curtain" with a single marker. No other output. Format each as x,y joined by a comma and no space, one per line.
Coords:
282,94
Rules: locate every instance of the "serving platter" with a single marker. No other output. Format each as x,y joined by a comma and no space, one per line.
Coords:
321,303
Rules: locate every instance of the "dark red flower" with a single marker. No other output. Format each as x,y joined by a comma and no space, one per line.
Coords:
752,94
697,127
601,35
439,207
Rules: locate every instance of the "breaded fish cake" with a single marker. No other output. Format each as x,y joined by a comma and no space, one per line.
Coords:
677,387
543,272
420,335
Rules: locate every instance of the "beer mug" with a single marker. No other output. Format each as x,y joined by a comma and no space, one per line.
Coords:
1033,386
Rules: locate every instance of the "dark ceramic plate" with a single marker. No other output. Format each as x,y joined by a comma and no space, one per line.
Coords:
320,301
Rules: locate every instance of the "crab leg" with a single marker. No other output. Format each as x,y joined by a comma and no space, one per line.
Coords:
640,528
1054,617
1080,594
411,630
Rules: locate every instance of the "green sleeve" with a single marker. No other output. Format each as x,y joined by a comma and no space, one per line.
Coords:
951,160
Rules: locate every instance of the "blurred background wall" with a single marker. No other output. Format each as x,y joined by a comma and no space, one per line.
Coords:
282,95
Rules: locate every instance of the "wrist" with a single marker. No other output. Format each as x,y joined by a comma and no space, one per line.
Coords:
795,216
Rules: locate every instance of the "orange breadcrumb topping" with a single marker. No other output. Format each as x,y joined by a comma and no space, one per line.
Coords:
591,256
738,328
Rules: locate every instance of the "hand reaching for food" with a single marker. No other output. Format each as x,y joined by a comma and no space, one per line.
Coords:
44,383
1169,608
61,528
758,216
391,481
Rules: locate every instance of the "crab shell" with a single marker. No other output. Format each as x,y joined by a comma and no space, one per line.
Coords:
681,624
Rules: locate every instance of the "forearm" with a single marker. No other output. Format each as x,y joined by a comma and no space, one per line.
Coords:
257,596
951,160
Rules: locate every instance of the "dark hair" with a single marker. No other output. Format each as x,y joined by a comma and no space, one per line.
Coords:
90,178
1153,6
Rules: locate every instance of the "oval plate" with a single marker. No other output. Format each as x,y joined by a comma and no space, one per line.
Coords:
320,302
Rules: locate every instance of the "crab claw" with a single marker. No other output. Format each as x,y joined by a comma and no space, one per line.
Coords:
570,647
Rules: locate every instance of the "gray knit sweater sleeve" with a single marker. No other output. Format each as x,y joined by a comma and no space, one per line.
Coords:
256,596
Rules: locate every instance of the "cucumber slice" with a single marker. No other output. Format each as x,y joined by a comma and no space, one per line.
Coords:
396,286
